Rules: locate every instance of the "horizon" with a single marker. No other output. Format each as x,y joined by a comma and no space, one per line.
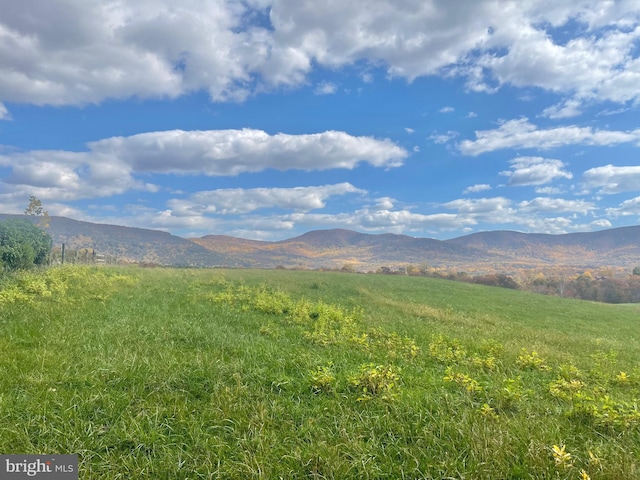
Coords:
268,119
328,230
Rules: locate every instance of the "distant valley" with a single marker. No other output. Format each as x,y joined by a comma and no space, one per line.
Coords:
499,250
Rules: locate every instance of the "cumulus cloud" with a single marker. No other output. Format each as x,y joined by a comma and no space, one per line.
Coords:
446,110
481,187
549,190
69,175
520,133
610,179
233,201
555,205
385,203
600,64
601,223
383,220
535,171
495,210
110,165
63,52
231,152
550,225
326,88
539,214
405,220
441,138
626,208
480,205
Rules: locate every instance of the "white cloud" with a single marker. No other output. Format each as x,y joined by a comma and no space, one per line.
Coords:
549,190
555,205
521,133
4,113
610,179
67,176
602,223
596,65
326,88
366,77
550,225
384,32
385,203
444,137
535,171
495,210
569,108
472,115
409,130
481,187
626,208
230,152
608,112
533,215
109,166
75,52
384,220
235,201
446,110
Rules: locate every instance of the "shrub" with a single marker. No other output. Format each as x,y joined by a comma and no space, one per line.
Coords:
22,245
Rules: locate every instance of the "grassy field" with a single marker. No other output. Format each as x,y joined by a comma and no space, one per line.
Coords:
176,374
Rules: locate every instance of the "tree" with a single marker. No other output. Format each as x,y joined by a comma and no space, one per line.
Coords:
35,209
636,271
22,245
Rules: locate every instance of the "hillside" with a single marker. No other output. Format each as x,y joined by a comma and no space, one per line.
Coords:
613,247
260,374
499,250
334,248
495,251
127,243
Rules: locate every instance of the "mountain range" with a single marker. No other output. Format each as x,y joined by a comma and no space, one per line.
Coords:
501,250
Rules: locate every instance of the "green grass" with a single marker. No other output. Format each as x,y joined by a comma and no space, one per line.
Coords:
176,374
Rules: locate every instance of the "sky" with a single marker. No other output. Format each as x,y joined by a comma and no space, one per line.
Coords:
266,119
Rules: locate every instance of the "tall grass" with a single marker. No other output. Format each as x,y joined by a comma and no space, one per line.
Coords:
171,374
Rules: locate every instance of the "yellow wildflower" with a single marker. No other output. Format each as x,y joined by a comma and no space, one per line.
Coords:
593,460
561,456
622,377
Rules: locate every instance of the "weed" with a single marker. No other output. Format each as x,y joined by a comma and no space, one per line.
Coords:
562,458
469,384
323,379
531,361
376,381
446,351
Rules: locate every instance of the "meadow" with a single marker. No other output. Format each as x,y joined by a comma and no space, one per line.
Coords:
194,374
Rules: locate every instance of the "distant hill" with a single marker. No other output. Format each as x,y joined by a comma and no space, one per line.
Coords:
498,250
334,248
612,247
132,244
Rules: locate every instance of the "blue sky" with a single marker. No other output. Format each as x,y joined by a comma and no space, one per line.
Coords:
269,118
